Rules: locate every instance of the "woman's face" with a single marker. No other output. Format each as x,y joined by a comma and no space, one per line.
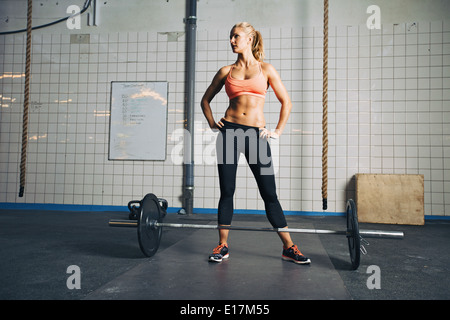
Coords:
239,40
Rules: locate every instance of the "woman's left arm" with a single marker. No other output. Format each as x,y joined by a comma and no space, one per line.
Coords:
282,96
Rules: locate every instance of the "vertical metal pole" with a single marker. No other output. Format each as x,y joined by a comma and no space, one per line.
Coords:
191,27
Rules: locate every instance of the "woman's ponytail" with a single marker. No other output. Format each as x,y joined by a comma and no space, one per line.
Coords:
258,46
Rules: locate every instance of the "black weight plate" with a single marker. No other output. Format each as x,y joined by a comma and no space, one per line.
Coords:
354,241
149,238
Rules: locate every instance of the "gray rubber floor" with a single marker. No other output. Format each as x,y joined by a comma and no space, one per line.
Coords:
254,271
39,246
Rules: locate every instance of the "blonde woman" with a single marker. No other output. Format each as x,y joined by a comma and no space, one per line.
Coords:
242,130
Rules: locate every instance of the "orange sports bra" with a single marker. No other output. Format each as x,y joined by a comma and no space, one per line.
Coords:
256,86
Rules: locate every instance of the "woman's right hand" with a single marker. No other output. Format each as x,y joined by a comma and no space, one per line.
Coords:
220,124
217,125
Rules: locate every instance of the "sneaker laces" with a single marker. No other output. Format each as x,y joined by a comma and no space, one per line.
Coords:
296,251
218,249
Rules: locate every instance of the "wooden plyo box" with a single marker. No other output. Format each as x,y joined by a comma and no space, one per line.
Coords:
390,198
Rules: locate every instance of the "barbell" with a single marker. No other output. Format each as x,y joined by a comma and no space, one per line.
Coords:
152,210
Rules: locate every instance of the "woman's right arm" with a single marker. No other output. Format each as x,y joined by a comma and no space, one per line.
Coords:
213,89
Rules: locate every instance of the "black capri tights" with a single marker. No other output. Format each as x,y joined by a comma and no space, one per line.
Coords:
233,140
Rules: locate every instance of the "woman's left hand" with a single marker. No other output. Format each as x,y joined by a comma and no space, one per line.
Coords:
266,134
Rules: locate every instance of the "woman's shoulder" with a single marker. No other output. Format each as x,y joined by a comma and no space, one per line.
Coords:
268,69
225,69
221,75
223,72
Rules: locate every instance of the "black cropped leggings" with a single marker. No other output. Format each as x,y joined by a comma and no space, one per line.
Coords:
233,140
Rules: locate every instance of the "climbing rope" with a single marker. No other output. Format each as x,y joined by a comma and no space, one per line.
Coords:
325,110
26,102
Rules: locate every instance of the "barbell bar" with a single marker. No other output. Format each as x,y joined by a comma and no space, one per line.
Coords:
155,224
152,211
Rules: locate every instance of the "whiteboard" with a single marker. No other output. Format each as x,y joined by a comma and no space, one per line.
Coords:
138,121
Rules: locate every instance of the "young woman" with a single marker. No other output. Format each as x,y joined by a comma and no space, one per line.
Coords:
242,130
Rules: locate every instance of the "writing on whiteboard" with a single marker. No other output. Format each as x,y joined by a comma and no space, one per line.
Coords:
138,125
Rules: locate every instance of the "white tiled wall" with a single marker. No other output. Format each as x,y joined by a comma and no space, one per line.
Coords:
389,112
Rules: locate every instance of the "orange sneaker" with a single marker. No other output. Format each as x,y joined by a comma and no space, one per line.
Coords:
294,255
219,253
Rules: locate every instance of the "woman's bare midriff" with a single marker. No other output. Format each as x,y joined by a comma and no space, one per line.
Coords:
246,110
